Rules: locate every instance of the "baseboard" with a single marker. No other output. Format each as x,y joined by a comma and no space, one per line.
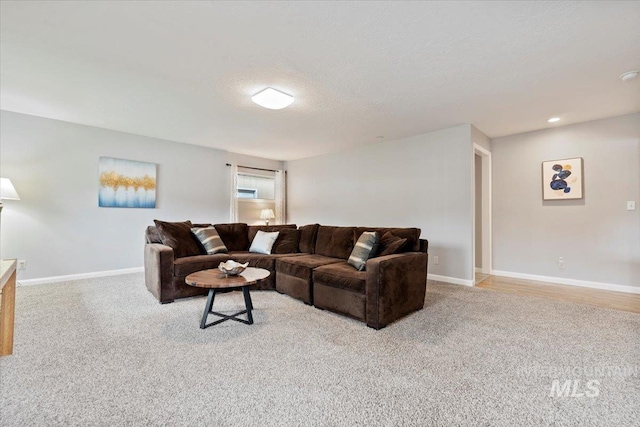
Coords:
570,282
478,270
448,279
57,279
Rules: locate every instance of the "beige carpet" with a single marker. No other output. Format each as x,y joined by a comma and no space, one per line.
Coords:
103,352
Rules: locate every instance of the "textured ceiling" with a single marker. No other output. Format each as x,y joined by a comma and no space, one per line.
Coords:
184,71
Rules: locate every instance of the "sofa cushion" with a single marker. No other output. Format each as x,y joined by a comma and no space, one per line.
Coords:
335,242
391,244
411,234
178,236
210,240
341,275
188,265
302,265
235,236
364,248
308,238
263,242
267,262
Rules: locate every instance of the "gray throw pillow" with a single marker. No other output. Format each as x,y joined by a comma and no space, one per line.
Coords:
210,239
263,242
363,249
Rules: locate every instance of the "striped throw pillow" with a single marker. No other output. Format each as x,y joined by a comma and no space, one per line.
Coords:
210,239
363,250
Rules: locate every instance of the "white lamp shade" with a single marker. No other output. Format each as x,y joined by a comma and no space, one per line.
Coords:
7,190
267,214
272,99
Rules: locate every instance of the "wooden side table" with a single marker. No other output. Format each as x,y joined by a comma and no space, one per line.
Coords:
7,304
214,279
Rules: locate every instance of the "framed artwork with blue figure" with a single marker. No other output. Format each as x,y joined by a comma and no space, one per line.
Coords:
562,179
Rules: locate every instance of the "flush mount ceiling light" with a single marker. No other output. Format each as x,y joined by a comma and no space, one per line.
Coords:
554,119
272,99
629,75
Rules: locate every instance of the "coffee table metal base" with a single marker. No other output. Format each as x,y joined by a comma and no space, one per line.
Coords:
225,317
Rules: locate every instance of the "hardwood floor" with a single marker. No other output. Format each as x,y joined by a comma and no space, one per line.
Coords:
480,277
595,297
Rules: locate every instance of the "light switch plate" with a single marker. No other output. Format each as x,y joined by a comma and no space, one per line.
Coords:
631,206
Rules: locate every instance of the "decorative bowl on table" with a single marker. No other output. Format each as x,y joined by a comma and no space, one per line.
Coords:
232,268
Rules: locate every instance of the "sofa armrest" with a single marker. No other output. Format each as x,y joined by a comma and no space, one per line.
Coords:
158,271
424,246
395,286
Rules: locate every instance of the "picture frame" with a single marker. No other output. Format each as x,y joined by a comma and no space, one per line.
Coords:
563,179
126,183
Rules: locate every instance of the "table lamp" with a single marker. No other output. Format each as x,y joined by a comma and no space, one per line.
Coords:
267,214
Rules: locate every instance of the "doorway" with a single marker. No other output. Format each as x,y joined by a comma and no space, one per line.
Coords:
482,213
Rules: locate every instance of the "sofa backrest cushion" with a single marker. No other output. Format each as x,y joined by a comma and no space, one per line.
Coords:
288,241
253,229
308,238
178,236
235,236
411,234
335,242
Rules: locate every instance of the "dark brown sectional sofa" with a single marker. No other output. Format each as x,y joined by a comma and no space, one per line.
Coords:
307,263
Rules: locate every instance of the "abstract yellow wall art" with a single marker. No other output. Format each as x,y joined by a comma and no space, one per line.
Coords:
126,183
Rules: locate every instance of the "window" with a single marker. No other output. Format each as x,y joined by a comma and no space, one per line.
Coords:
247,193
254,186
253,190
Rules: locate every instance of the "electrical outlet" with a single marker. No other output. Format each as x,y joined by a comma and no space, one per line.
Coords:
436,260
22,264
631,205
561,262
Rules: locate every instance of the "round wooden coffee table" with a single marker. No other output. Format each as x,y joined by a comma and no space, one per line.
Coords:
215,279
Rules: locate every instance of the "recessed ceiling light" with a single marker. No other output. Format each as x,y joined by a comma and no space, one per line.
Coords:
272,99
629,75
554,119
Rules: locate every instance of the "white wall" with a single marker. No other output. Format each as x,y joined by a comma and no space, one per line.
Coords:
423,181
598,238
57,225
